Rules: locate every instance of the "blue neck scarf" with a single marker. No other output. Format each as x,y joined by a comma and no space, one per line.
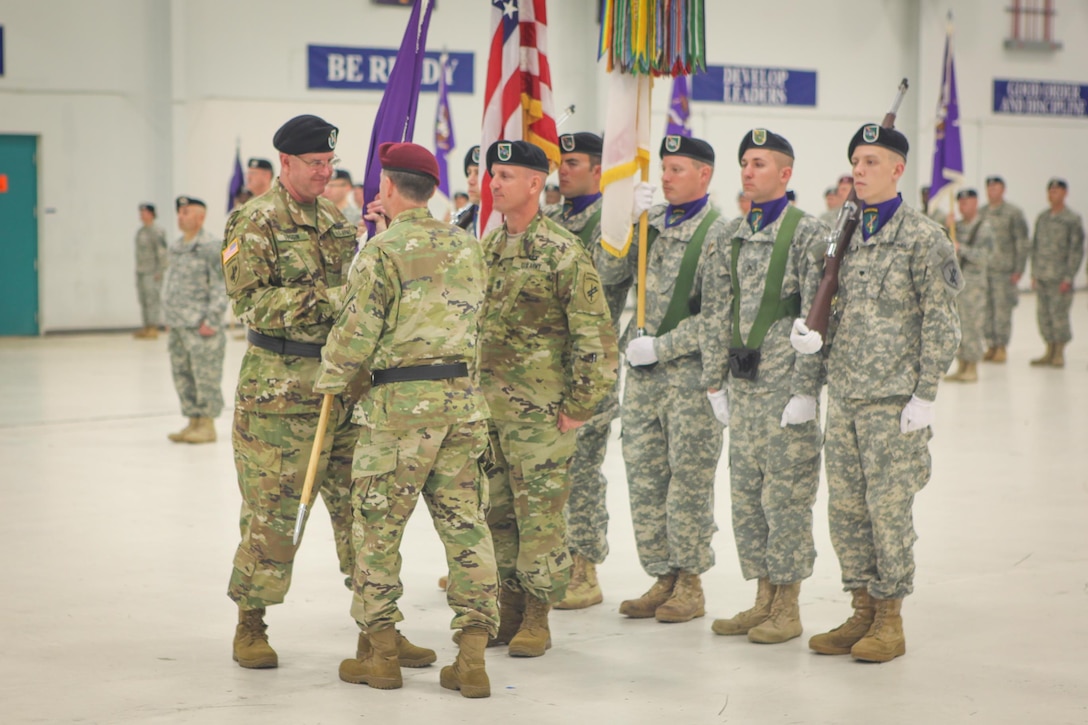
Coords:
875,216
578,204
680,213
764,214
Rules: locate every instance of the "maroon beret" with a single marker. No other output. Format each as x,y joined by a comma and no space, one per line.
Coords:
408,157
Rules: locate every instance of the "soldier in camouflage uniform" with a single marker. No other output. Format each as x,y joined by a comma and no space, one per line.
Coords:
842,192
1008,258
974,240
194,300
587,510
893,334
671,439
547,360
774,447
1057,250
151,259
410,319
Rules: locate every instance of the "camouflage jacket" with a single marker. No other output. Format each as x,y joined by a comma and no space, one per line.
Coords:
193,291
546,342
677,350
896,328
414,295
1058,246
285,264
974,244
779,366
1011,246
151,257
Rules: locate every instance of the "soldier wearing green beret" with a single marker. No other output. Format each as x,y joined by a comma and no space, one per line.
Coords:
151,261
974,242
1057,249
1008,259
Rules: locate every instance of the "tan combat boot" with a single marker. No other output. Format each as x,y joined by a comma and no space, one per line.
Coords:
202,432
970,373
251,648
1000,355
150,332
443,583
958,375
785,621
533,638
380,669
645,606
179,437
408,654
467,672
989,354
511,614
584,590
839,640
687,601
884,641
1057,358
744,621
1046,358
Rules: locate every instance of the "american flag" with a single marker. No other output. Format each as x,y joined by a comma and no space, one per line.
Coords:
518,95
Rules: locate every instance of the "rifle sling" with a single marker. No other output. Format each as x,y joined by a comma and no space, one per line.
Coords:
680,307
771,307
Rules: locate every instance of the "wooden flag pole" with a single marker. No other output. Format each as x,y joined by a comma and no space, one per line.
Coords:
311,469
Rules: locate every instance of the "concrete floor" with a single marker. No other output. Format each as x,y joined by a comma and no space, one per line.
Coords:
117,547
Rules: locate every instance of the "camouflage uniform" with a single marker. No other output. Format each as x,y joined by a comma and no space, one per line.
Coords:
894,333
671,439
1008,256
774,471
1057,250
151,260
193,293
975,240
546,347
413,299
587,510
284,264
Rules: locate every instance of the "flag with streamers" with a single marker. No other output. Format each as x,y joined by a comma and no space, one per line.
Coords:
443,129
948,153
237,179
625,158
678,108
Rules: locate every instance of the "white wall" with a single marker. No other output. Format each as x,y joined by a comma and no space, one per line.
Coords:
145,99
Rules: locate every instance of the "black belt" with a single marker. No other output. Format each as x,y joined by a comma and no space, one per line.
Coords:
282,346
420,372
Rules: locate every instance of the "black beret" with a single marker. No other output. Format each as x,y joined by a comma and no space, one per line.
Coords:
791,195
305,135
581,143
872,134
260,164
188,201
967,194
1057,182
147,207
994,180
408,157
761,138
342,174
694,148
517,153
472,158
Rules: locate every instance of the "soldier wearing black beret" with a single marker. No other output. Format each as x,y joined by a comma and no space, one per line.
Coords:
466,218
259,174
1008,260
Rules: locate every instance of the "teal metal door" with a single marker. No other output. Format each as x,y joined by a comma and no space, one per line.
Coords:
19,235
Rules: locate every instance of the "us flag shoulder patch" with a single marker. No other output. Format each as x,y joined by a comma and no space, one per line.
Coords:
230,251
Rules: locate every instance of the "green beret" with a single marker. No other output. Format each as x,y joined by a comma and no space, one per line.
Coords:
761,138
517,153
873,134
260,164
188,201
581,143
472,158
694,148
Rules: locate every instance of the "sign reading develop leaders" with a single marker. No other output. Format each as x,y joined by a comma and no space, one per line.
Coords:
367,69
746,86
1040,98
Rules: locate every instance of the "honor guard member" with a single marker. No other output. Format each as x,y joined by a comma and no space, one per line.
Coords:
1057,249
974,240
757,281
467,217
587,512
285,259
194,300
259,176
547,360
837,196
151,260
1008,258
410,318
671,439
892,336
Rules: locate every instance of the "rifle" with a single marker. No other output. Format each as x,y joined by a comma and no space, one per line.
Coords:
849,217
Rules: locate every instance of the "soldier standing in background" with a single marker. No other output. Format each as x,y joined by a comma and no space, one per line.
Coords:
339,192
842,191
151,261
1008,258
467,217
259,176
975,239
194,300
1057,250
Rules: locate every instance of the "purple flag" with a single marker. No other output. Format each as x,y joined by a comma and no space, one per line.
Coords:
237,180
678,108
948,154
396,118
443,131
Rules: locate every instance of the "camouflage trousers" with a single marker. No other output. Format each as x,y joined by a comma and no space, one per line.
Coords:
1052,308
774,473
149,292
671,446
1001,297
971,305
271,453
529,483
391,470
197,364
873,473
587,509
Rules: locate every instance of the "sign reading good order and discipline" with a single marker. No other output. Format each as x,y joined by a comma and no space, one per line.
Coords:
1040,98
367,69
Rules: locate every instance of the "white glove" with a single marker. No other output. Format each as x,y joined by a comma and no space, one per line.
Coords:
643,199
640,351
720,404
917,414
800,409
804,340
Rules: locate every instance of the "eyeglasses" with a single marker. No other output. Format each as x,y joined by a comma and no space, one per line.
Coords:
317,164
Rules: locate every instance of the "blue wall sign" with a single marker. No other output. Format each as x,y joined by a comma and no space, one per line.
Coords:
1040,98
367,69
750,86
